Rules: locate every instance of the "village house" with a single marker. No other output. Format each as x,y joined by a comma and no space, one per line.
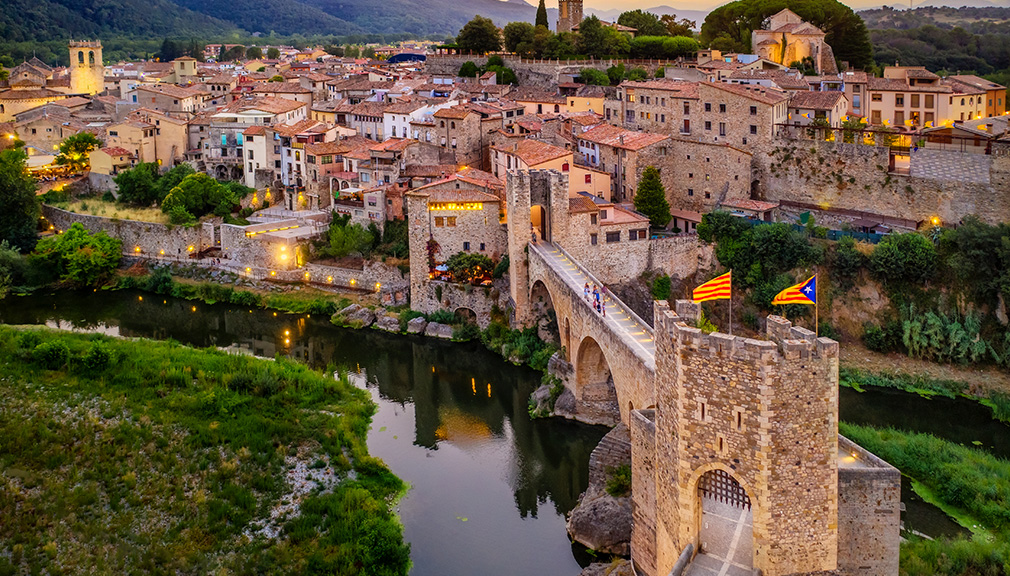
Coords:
175,100
662,106
740,115
806,107
529,154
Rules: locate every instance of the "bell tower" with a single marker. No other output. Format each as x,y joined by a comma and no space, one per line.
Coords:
569,15
87,71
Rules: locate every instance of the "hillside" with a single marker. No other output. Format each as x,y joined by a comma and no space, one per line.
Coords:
698,16
39,20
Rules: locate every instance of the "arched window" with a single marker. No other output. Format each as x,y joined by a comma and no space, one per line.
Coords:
557,108
80,57
91,58
441,123
962,101
452,125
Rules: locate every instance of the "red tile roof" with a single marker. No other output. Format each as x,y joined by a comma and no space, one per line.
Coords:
616,137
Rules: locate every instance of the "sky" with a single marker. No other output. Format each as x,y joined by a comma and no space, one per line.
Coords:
710,4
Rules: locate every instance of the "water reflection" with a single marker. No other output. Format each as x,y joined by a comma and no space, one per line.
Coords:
489,486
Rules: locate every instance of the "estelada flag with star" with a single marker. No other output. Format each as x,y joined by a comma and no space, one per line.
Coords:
718,288
802,293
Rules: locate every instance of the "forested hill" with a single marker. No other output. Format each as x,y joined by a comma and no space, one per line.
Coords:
43,20
966,40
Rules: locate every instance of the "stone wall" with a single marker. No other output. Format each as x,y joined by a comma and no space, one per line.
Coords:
379,277
643,489
614,263
869,513
153,240
764,412
433,295
856,177
539,73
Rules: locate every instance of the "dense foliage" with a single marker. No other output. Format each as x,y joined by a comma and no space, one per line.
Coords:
729,26
470,267
79,257
74,151
760,256
650,198
19,212
479,36
199,194
903,259
345,239
196,448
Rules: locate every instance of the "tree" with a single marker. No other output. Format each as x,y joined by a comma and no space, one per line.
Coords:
4,75
233,53
903,258
616,73
75,150
468,70
599,41
674,27
274,53
470,267
170,50
331,49
253,53
345,240
594,77
276,78
80,257
645,23
516,34
19,212
138,185
650,198
479,36
729,26
542,15
198,194
171,179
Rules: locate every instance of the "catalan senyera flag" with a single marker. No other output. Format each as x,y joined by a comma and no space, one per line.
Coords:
719,288
803,293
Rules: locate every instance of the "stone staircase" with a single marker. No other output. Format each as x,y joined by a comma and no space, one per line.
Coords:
612,451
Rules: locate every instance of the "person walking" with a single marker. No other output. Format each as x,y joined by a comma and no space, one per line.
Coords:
585,291
596,293
603,308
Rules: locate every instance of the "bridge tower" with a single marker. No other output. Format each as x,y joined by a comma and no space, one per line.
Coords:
87,72
537,202
569,15
739,459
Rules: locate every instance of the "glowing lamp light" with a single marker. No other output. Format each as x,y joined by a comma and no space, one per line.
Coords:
353,281
248,270
329,279
194,308
161,252
284,248
287,340
273,272
377,286
287,332
140,298
936,221
191,248
307,275
284,256
136,249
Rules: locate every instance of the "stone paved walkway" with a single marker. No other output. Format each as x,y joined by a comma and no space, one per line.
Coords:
727,541
620,318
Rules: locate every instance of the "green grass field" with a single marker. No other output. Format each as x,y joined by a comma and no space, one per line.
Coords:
141,457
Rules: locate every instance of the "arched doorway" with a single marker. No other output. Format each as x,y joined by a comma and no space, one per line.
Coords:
594,383
465,315
540,219
544,316
726,534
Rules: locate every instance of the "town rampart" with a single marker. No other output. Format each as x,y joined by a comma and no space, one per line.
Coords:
945,184
148,239
537,72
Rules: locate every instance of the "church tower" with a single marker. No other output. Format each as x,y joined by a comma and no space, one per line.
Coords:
87,72
569,15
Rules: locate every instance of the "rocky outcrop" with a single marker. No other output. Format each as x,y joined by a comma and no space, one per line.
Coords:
601,521
416,325
354,316
388,323
436,330
616,568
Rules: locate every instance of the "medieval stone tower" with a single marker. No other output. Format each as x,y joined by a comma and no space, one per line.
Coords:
748,433
569,15
87,72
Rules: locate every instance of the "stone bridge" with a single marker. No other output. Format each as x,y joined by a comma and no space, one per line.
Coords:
612,358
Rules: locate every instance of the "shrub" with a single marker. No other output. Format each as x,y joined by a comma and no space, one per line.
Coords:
79,257
97,358
28,340
619,480
502,267
903,259
846,262
160,282
442,317
465,332
661,286
53,354
471,267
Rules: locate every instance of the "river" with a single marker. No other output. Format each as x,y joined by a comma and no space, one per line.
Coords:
489,486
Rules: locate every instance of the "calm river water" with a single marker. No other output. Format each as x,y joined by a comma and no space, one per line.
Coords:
489,487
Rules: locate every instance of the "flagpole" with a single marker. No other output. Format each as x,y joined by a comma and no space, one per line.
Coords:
731,315
817,323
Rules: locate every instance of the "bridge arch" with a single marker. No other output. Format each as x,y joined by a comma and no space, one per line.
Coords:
594,379
465,315
545,314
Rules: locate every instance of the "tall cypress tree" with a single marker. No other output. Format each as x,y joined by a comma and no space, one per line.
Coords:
650,199
542,15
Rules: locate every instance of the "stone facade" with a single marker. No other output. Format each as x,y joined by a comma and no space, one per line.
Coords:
699,175
859,177
765,414
372,277
569,15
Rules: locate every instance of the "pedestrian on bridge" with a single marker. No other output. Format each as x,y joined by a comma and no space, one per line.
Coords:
585,291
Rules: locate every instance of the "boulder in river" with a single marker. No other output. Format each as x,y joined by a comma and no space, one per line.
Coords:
416,325
436,330
354,316
388,323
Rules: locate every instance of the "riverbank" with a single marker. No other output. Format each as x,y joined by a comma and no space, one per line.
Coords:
196,461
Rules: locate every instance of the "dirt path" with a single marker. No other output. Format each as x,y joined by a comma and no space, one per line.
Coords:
979,379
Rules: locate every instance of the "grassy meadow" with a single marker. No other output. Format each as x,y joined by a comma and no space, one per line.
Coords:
142,457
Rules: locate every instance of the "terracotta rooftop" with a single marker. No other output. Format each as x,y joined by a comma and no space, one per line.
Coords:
280,88
456,113
116,151
608,135
536,152
682,89
895,85
440,194
816,100
755,205
255,131
581,204
171,90
975,82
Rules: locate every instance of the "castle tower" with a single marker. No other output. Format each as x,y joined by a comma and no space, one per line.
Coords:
747,430
87,71
569,15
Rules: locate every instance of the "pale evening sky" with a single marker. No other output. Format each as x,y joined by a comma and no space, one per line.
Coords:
709,5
